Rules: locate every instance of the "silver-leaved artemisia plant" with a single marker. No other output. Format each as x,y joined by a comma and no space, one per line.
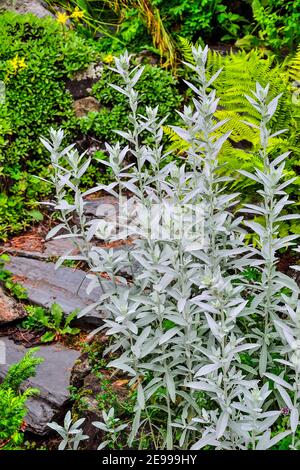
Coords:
197,339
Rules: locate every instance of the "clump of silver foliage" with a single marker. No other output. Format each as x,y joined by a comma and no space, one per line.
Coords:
181,314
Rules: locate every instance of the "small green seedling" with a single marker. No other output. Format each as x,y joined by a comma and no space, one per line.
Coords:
52,320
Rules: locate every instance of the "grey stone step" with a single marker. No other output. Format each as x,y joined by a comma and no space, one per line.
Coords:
36,7
46,285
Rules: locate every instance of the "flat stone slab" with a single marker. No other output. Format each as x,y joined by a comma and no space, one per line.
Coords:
52,379
58,247
10,310
34,245
46,285
36,7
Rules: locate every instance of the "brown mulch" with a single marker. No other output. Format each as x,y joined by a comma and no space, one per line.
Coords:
117,243
285,261
27,338
32,240
31,338
74,342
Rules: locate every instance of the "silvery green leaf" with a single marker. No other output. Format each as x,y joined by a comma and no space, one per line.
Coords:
214,328
250,124
169,439
100,425
120,428
272,106
67,420
253,102
56,427
126,135
214,77
119,89
245,347
257,228
266,443
263,359
222,424
119,364
137,76
278,133
235,312
210,440
170,384
78,423
204,306
63,444
103,445
168,335
185,135
281,157
205,370
83,168
294,419
54,231
202,386
140,396
135,426
189,84
47,144
286,281
283,218
279,380
181,304
164,282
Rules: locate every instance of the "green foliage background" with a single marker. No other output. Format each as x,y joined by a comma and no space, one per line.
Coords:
37,98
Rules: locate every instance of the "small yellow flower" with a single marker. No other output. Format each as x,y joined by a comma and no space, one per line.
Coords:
62,18
77,14
22,64
16,64
108,59
13,63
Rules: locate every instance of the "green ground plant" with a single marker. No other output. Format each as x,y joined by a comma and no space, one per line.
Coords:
276,23
6,279
13,401
53,321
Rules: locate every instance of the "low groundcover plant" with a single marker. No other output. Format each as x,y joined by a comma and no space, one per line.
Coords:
212,354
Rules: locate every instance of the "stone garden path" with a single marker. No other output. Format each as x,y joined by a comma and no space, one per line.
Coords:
31,267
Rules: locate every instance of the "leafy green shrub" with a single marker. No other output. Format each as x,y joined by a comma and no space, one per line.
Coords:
250,23
36,56
206,18
13,401
53,321
278,22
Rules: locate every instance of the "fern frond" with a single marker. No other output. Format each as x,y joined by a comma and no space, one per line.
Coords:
294,66
177,145
185,48
239,130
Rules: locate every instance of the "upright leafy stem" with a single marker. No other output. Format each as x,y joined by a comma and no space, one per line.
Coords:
269,216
